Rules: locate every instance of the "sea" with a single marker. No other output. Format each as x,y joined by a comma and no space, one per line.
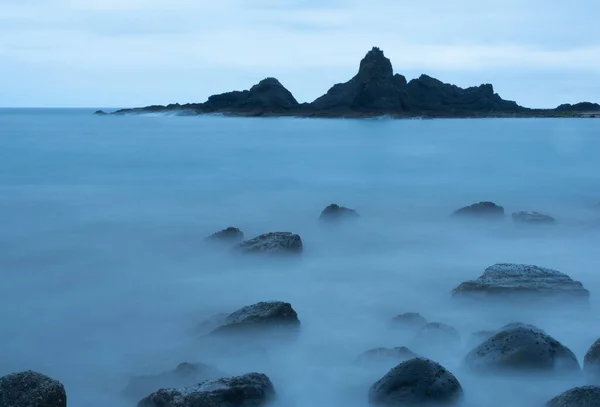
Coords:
105,273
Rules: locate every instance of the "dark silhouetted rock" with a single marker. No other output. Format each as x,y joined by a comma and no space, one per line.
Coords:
436,333
249,390
260,317
409,320
416,382
184,375
579,107
587,396
229,235
591,362
31,389
481,210
509,281
272,243
100,112
386,355
522,349
532,218
335,212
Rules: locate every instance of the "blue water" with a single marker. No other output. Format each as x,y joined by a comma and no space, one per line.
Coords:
102,220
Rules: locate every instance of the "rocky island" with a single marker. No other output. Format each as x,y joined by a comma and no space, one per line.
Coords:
374,91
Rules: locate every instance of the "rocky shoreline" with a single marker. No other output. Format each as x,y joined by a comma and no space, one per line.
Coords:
375,91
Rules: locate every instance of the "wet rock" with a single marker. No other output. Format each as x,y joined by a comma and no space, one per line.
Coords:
522,349
591,362
335,212
31,389
416,382
409,320
228,235
488,210
100,112
249,390
436,333
386,355
587,396
272,243
260,317
532,218
184,375
525,281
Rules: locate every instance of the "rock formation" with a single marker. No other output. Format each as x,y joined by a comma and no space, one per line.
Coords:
31,389
587,396
487,210
335,212
260,317
272,243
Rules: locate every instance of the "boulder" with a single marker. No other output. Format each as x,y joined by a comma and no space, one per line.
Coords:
409,320
228,235
184,375
591,362
249,390
522,349
508,280
260,317
532,218
31,389
416,382
336,212
587,396
386,355
487,210
436,333
272,243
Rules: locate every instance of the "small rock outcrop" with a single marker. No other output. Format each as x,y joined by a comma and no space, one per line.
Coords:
100,112
31,389
579,107
522,349
184,375
409,320
532,218
249,390
507,280
435,333
272,243
487,210
228,235
591,362
416,382
586,396
260,317
386,355
335,212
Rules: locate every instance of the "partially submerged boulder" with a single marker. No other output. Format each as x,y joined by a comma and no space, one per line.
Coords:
435,333
532,218
272,243
409,320
591,362
486,209
184,375
228,235
100,112
335,212
416,382
508,280
522,349
31,389
586,396
260,317
249,390
386,355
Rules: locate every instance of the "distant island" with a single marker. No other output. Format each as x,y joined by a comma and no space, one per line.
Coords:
374,91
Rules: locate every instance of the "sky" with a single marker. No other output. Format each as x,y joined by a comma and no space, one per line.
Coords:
125,53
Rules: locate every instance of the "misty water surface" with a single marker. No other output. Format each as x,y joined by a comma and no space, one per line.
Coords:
104,274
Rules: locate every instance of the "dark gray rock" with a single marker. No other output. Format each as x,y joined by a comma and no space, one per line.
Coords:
260,317
535,218
508,281
579,107
436,333
272,243
184,375
587,396
591,362
409,320
335,212
228,235
100,112
31,389
249,390
522,349
386,355
416,382
487,210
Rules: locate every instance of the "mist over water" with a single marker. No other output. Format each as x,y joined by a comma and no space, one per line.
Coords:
105,274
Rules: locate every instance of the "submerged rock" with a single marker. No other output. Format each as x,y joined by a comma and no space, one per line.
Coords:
228,235
272,243
591,362
260,317
532,218
100,112
409,320
184,375
488,210
336,212
522,349
587,396
508,281
31,389
416,382
386,355
249,390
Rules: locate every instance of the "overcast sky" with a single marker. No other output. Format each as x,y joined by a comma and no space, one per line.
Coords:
121,53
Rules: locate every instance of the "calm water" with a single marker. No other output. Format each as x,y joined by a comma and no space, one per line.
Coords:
102,221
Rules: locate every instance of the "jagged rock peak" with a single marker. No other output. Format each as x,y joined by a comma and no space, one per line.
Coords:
375,64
